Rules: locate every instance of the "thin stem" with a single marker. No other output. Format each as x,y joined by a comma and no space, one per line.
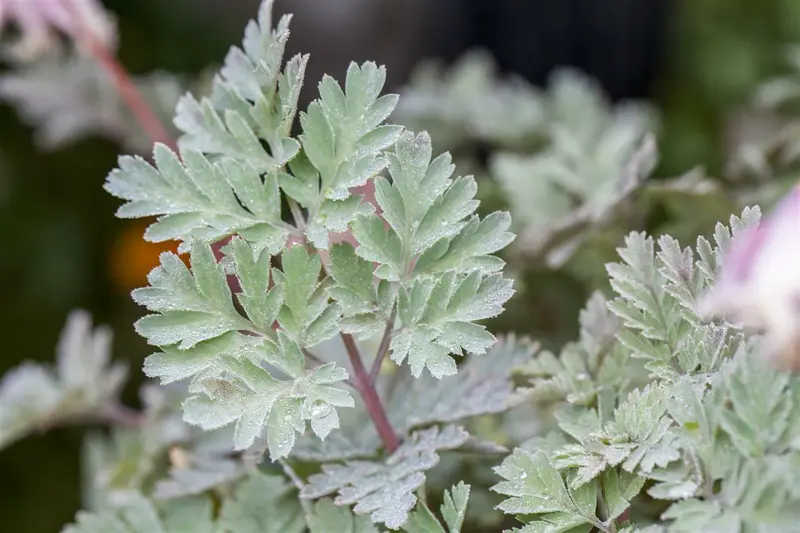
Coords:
383,348
113,415
289,471
297,215
121,415
130,94
370,396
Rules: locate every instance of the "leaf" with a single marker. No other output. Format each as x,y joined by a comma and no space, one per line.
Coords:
307,316
196,199
66,96
761,406
191,307
385,490
123,460
619,488
343,140
639,438
454,507
83,384
483,385
586,368
437,227
206,472
330,518
248,395
423,521
251,100
436,318
535,487
262,504
260,303
138,515
468,102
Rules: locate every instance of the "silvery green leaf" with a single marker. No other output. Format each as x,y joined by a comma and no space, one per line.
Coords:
249,396
640,418
437,315
422,520
483,385
677,482
619,488
354,289
204,474
196,198
259,504
139,515
84,382
262,504
66,96
471,248
468,102
189,307
385,490
585,368
306,315
760,407
343,140
126,459
251,100
253,270
379,244
535,487
331,518
454,507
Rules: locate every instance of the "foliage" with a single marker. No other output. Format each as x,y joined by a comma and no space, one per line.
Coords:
67,97
710,416
299,298
83,385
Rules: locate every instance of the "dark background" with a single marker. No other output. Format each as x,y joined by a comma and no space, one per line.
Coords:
699,59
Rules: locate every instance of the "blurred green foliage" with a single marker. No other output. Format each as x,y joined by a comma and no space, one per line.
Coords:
62,232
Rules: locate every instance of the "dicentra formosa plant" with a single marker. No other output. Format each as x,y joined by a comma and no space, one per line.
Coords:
663,421
246,330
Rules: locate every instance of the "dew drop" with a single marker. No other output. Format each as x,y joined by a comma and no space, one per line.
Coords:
319,409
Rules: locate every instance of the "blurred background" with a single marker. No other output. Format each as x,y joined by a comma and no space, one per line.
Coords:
698,61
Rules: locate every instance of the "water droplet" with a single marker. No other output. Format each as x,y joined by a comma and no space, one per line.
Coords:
319,409
583,376
523,475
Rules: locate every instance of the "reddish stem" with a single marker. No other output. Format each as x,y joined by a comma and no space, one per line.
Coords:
373,403
130,94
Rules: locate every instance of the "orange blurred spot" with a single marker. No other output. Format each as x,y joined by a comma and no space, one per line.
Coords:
132,258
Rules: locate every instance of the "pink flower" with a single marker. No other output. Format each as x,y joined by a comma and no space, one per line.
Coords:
83,21
758,284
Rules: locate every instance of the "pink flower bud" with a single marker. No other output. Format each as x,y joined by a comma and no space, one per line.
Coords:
758,284
83,21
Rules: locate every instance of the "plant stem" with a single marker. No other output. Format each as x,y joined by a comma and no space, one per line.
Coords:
383,348
297,215
113,415
373,403
130,94
121,415
289,471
